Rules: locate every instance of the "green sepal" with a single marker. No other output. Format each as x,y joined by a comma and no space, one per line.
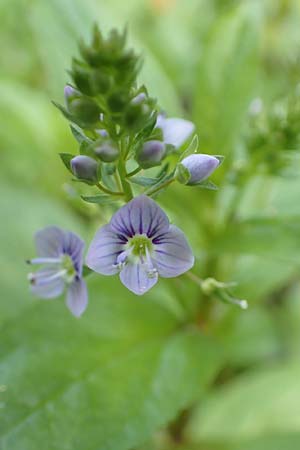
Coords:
86,271
161,182
182,174
144,181
192,148
82,180
79,134
156,135
99,172
68,115
86,149
66,159
100,199
206,184
147,129
220,158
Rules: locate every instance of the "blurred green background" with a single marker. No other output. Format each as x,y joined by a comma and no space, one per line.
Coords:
173,369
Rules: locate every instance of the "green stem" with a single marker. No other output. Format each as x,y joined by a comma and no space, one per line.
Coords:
108,191
134,172
125,185
122,170
161,186
195,278
117,180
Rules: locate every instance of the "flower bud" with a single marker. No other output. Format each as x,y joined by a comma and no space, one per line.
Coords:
100,82
84,168
199,166
70,94
85,110
106,151
151,154
139,98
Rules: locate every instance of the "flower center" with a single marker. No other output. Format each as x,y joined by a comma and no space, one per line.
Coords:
68,266
139,245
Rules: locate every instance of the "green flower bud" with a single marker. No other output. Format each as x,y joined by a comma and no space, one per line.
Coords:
85,110
117,102
100,81
106,151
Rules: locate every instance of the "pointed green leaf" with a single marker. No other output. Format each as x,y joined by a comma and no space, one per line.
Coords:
66,159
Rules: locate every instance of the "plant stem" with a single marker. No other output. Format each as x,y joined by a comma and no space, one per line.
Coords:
134,172
161,186
117,180
108,191
122,173
195,278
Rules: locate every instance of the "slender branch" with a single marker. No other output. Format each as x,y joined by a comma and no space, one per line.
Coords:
117,180
134,172
194,278
122,173
108,191
161,186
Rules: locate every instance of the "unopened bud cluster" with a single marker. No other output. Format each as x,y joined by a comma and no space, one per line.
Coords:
119,128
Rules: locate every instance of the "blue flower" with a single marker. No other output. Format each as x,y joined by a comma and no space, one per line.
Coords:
60,254
140,244
175,131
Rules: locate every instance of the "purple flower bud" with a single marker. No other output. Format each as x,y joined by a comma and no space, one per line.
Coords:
200,167
151,154
139,98
106,151
84,168
103,133
70,93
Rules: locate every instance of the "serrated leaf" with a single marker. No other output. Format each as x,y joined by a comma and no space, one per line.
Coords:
66,159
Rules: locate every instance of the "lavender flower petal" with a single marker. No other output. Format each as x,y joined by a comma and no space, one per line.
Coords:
140,216
172,255
77,297
46,285
175,131
135,278
49,242
74,246
104,250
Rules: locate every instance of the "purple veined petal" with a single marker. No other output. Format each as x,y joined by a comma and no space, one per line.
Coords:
172,254
104,250
47,284
135,278
49,242
73,246
176,131
140,216
77,297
